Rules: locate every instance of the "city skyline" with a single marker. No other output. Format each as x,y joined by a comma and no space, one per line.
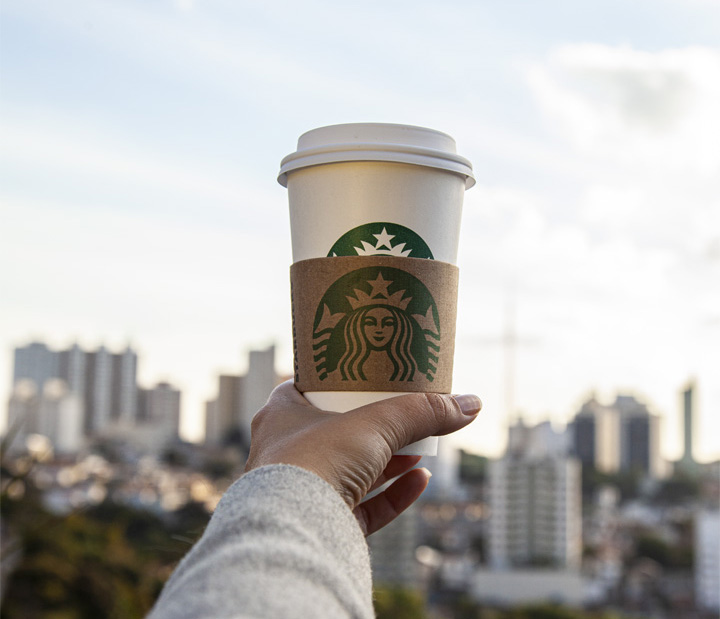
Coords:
139,200
605,444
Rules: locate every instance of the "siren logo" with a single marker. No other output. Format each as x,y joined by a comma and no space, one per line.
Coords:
376,323
381,239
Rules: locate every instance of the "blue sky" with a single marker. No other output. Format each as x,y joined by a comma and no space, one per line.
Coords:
139,201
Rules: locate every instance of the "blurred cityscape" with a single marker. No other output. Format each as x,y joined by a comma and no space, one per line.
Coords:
101,498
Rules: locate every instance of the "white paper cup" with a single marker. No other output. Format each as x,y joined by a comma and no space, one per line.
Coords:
375,189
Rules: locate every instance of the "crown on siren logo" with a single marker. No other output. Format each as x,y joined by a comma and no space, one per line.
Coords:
379,295
383,241
381,238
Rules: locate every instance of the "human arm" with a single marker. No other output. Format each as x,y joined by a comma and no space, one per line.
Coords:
284,540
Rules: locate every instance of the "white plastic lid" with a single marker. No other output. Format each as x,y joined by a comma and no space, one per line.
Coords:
377,142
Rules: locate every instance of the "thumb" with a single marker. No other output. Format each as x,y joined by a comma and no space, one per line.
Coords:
409,418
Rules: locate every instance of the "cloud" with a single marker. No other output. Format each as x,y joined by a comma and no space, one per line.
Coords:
652,110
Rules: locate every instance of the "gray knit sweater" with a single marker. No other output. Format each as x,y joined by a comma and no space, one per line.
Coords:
281,544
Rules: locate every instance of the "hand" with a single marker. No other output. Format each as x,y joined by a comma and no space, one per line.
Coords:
353,451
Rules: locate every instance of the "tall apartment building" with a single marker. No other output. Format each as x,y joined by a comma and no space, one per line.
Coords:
535,501
104,382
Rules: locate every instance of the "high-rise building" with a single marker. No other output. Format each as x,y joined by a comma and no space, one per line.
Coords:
639,437
124,387
595,436
535,501
104,383
73,368
98,391
163,402
535,516
688,414
157,421
239,398
213,427
35,362
261,379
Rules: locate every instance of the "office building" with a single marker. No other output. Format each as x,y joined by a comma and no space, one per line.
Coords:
595,436
639,437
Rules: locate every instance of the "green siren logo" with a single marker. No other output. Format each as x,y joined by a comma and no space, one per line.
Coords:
376,323
381,239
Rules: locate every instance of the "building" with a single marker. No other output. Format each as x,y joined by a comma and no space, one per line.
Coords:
35,362
230,414
707,560
163,409
223,414
624,436
595,436
105,382
535,501
54,411
534,539
535,512
260,380
639,437
688,398
510,588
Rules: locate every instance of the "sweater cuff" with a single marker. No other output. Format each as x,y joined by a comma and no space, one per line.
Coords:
294,501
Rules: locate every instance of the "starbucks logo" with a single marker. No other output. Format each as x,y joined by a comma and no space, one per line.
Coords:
376,323
381,238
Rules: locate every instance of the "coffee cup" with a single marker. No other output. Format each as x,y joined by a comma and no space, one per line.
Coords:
391,197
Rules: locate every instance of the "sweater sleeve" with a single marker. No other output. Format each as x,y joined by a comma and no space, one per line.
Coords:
281,544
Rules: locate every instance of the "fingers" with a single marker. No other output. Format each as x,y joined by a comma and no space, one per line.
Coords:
396,466
409,418
382,509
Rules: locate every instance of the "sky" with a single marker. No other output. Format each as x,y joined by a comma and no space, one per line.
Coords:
139,204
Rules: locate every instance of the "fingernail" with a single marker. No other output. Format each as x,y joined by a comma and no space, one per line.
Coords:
426,471
469,404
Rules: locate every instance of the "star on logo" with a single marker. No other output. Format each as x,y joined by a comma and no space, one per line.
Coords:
379,286
383,239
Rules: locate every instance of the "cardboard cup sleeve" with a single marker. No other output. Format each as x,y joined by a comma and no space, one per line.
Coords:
374,323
